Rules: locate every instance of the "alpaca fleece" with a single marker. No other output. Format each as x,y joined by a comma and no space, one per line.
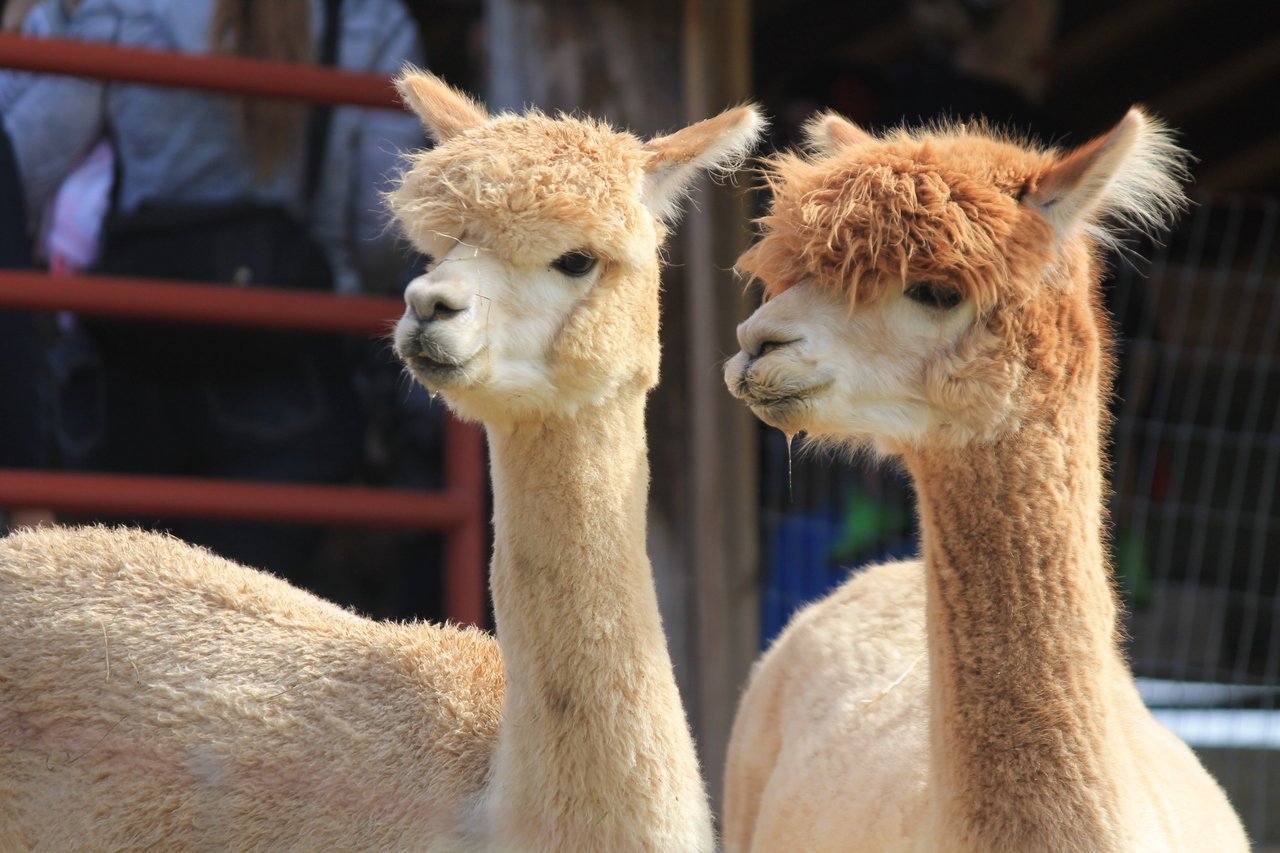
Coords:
154,694
519,199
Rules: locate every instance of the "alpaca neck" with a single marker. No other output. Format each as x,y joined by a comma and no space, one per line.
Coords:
1021,637
593,734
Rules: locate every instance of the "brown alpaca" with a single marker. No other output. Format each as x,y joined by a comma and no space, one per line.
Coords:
933,296
153,695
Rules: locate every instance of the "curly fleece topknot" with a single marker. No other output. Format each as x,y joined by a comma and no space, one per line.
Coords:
937,204
553,186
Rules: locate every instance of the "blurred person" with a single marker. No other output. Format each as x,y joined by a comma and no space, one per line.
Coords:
68,234
29,18
200,177
23,380
24,392
14,12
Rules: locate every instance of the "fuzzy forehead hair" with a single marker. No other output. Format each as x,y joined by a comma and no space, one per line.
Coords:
935,205
531,185
958,205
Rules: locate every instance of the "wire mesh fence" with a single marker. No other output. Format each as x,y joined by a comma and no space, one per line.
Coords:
1195,507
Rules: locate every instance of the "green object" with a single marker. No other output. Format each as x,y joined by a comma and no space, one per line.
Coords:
1129,551
866,524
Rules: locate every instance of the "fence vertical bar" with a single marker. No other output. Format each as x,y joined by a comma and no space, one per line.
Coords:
465,554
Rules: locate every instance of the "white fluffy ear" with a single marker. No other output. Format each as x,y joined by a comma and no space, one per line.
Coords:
1132,176
715,144
828,132
445,112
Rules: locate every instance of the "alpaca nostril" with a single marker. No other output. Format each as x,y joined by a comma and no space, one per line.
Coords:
768,346
758,338
433,309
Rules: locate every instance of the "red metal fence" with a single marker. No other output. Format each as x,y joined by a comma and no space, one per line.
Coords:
457,511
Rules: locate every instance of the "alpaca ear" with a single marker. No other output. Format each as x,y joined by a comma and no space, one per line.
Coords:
1132,175
828,132
444,111
715,144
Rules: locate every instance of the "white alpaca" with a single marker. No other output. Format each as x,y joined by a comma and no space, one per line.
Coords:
154,695
934,296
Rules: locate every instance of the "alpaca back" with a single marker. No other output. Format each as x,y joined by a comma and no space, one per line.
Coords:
220,706
830,750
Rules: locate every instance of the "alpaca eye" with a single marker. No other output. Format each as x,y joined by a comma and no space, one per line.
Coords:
933,295
575,264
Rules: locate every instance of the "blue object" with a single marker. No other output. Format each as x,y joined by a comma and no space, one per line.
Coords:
803,566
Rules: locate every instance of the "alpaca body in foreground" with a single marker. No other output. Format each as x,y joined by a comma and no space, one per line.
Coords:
153,694
933,297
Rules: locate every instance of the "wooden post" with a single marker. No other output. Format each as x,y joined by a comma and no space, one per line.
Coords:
653,67
722,434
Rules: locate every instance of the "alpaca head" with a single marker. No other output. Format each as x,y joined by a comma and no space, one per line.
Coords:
937,286
543,235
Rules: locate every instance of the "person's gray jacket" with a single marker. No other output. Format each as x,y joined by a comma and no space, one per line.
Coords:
182,145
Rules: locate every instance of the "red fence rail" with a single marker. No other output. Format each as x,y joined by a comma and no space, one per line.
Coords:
229,74
457,511
191,497
189,302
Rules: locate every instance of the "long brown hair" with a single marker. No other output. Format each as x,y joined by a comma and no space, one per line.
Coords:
278,30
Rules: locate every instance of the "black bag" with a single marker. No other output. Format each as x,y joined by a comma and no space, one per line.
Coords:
243,244
240,243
